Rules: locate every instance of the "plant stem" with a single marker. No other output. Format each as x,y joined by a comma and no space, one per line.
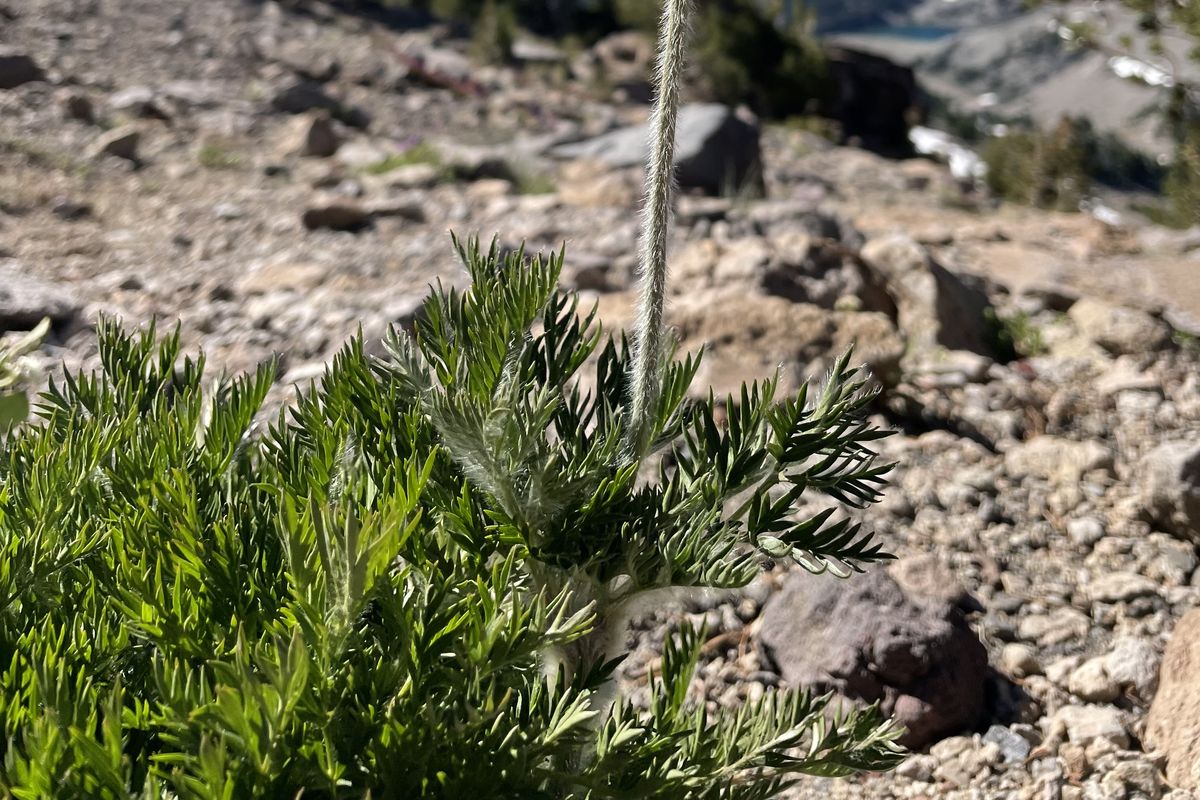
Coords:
652,259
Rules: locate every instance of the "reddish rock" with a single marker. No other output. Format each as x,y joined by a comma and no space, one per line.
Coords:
869,641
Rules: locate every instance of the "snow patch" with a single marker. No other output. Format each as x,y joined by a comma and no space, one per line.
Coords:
1129,67
963,161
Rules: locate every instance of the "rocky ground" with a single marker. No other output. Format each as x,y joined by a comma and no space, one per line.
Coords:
274,180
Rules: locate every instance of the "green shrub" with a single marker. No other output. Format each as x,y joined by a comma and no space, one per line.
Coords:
1182,187
1043,169
414,583
417,581
1015,335
1179,204
637,14
422,153
531,182
1158,21
216,156
743,56
742,53
494,32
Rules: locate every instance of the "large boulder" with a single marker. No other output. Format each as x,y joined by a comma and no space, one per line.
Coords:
873,99
18,68
935,307
1119,329
1173,725
870,640
747,336
716,150
795,265
1170,486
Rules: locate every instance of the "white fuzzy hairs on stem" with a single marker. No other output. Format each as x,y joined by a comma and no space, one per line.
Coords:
652,257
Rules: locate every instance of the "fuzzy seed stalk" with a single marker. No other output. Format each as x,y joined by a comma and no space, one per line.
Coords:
652,257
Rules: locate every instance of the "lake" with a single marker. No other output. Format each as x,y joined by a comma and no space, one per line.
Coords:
918,33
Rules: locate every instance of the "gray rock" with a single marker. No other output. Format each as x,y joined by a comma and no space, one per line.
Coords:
1170,487
1173,725
798,336
962,759
624,60
1134,778
536,52
794,264
1119,587
316,136
951,368
1126,376
401,208
1179,794
1119,329
414,176
587,272
120,142
926,577
228,211
1059,461
1174,561
25,301
1085,531
360,154
349,187
70,210
77,106
1133,662
138,101
301,58
1019,660
403,311
918,767
336,215
867,640
302,96
283,276
1091,682
1059,671
304,373
1060,625
1014,747
17,69
935,307
1086,724
715,149
481,162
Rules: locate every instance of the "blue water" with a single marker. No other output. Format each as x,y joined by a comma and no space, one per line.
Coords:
920,33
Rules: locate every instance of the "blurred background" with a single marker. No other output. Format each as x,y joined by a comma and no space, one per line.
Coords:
996,201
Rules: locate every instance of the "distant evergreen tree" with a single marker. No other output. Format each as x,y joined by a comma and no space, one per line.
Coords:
758,52
1182,104
1044,169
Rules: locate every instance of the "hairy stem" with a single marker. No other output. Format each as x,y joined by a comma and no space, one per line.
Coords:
652,259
